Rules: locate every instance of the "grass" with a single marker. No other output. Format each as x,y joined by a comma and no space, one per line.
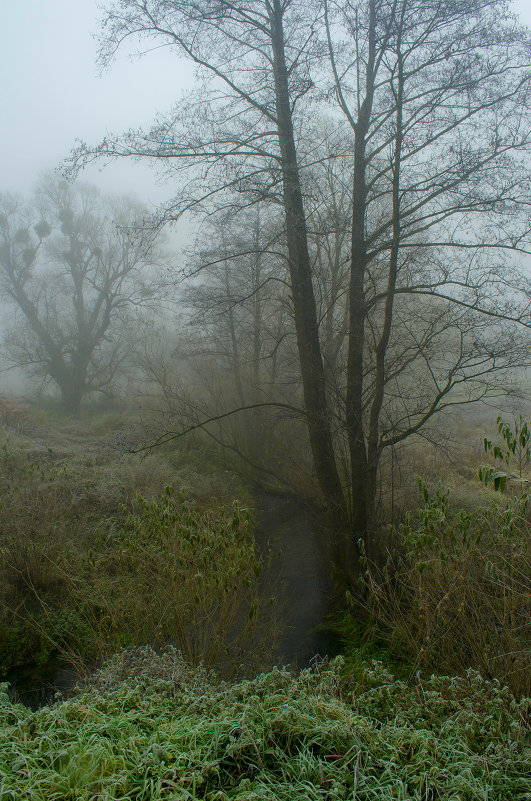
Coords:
451,588
449,450
62,482
170,572
455,591
150,727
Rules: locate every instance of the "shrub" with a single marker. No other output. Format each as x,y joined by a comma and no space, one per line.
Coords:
459,594
514,451
65,589
151,727
35,541
169,572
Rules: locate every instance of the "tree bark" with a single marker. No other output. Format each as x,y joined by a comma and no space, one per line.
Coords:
306,325
357,308
71,396
374,447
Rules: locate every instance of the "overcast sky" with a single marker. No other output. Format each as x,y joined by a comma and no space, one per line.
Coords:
50,93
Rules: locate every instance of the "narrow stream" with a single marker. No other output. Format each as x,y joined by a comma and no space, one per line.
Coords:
298,572
287,526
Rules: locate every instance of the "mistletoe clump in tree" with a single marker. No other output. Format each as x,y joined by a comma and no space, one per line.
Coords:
74,264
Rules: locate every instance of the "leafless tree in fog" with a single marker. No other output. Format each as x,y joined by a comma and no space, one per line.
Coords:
437,98
74,264
435,102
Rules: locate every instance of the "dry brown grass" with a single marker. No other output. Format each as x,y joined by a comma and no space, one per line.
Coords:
449,451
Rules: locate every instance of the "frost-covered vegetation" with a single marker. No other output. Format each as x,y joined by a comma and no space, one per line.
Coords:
97,555
149,727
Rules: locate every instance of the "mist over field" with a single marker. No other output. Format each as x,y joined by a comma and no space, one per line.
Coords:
265,400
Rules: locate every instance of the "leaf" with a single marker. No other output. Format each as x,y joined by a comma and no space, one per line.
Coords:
500,481
519,479
485,474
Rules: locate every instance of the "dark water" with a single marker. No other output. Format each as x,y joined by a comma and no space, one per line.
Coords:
298,572
288,526
37,686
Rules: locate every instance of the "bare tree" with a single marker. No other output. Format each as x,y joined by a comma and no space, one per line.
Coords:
74,264
258,56
436,98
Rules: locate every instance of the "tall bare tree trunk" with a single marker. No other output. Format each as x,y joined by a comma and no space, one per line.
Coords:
374,447
358,310
306,324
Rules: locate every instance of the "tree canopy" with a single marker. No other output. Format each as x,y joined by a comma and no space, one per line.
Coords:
75,263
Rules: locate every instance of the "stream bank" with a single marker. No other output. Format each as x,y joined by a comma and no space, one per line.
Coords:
297,574
36,686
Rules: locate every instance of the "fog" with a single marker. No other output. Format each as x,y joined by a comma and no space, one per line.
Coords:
306,300
51,94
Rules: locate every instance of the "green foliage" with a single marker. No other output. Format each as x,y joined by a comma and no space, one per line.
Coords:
516,449
171,572
150,727
18,644
456,595
362,644
34,543
65,589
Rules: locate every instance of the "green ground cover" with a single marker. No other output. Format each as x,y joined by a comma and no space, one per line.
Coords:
149,727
